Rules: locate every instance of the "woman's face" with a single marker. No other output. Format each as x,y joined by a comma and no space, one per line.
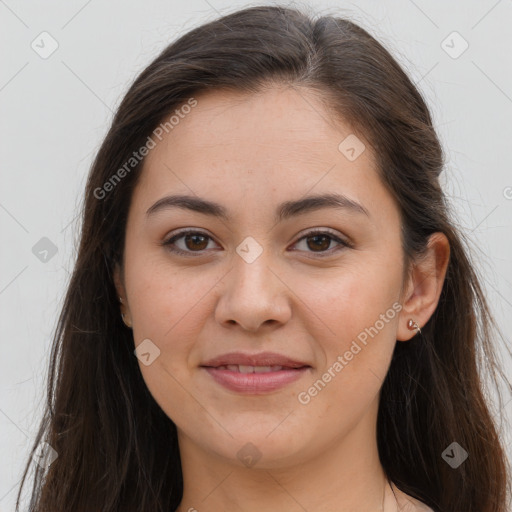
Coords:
258,280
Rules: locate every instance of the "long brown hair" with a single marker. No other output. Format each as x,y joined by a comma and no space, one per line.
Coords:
117,450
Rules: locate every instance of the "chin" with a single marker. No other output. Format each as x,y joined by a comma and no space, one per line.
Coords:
258,449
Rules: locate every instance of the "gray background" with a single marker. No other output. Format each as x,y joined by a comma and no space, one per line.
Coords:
55,111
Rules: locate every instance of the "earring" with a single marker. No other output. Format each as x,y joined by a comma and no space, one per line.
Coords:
411,325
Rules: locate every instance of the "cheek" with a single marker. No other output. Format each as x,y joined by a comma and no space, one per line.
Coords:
164,299
351,299
358,310
166,306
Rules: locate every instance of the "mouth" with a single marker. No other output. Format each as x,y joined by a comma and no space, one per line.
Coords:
242,368
254,374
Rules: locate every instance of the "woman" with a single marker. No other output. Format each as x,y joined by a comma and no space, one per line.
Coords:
270,308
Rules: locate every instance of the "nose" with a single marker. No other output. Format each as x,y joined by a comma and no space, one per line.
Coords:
253,295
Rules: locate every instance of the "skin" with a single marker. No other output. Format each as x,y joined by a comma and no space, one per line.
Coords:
250,152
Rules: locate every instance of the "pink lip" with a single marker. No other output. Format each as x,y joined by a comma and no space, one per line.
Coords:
261,359
255,383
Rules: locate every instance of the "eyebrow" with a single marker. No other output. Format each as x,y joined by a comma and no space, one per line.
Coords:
284,211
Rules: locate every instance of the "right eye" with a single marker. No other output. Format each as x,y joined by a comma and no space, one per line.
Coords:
192,242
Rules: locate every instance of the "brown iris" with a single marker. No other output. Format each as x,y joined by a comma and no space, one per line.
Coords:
199,246
326,239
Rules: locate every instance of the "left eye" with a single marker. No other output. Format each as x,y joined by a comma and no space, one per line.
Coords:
197,242
320,241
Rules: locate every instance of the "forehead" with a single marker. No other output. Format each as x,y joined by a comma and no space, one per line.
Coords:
285,122
278,143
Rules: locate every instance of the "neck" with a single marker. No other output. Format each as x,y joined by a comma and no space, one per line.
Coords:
346,477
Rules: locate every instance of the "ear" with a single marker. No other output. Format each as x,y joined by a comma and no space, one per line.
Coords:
121,294
424,285
118,282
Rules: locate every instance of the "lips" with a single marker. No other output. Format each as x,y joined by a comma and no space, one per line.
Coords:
263,359
241,368
254,373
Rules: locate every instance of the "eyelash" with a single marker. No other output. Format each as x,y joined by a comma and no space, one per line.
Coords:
169,242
